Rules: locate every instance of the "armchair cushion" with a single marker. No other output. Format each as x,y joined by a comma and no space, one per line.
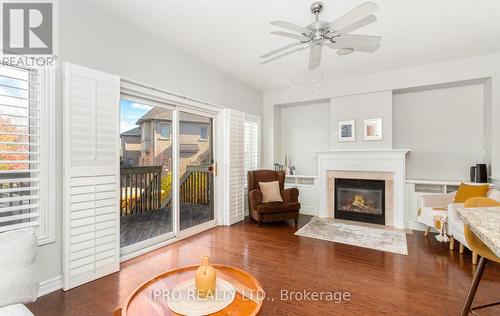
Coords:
480,202
278,207
270,192
466,191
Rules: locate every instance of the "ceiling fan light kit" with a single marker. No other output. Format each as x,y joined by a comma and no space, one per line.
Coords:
335,35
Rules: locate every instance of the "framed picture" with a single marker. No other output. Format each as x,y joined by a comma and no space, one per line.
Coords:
373,129
347,131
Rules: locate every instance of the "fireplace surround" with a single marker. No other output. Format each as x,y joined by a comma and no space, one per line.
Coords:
360,200
377,164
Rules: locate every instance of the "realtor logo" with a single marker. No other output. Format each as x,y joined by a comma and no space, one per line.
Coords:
27,28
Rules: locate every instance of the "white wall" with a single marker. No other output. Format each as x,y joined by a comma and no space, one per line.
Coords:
480,67
444,129
305,130
95,39
359,107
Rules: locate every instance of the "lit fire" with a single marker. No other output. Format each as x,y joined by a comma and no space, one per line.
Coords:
359,201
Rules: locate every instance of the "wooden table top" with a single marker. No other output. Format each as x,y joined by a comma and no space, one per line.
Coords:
485,223
142,301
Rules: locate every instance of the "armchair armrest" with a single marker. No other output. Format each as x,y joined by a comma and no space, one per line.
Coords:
255,197
290,195
440,200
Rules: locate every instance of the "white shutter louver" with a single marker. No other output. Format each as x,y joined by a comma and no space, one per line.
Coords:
252,150
235,122
91,210
19,148
252,143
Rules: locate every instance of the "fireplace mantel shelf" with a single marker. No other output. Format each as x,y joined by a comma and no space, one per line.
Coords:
364,150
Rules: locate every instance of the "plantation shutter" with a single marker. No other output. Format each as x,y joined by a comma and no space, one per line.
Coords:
91,148
252,150
235,123
19,148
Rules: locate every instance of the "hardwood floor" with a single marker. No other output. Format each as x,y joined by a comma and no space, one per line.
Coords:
431,280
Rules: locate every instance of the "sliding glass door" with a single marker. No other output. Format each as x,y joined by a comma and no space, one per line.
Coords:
146,155
166,177
196,183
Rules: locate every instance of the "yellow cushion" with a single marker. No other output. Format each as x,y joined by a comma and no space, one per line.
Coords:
480,202
270,192
466,192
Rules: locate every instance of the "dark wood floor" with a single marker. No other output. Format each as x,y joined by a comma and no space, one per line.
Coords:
431,280
138,227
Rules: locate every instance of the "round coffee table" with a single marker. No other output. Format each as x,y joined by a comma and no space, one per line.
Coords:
147,300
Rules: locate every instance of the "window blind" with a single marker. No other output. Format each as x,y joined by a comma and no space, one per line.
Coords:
19,148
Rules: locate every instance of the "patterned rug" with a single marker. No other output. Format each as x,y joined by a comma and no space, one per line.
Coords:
366,237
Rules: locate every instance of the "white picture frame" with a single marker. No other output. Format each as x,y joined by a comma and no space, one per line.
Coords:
346,131
372,129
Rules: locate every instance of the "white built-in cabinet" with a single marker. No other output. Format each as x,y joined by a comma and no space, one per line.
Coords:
308,192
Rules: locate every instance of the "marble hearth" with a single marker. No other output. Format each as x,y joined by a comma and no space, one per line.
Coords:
387,165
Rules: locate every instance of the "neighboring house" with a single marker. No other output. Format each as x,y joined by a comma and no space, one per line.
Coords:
130,147
156,139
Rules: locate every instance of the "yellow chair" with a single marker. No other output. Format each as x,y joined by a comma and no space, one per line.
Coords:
477,202
478,248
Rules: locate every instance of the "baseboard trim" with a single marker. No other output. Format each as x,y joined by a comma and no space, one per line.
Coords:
50,285
309,212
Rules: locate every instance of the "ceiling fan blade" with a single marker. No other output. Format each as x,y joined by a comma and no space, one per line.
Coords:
358,13
360,43
315,56
363,22
280,50
357,38
284,54
291,27
291,35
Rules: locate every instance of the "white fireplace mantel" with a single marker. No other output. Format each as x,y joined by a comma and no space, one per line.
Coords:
372,160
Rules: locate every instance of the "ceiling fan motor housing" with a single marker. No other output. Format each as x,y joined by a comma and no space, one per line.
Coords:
317,7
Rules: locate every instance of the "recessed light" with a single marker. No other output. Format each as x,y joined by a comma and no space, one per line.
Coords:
314,80
344,51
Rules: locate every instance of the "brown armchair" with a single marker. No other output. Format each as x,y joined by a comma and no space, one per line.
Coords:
274,211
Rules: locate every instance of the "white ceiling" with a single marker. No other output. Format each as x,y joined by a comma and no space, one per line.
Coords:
232,34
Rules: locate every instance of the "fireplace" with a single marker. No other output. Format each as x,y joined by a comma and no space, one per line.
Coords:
360,200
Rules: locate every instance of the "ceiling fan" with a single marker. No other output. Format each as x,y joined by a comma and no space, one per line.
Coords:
333,34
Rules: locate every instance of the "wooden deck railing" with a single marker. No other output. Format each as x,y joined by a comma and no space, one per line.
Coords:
140,189
195,185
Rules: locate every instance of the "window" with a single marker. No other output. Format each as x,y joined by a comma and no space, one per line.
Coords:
26,189
164,130
204,133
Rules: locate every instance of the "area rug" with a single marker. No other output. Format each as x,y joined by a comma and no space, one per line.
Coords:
366,237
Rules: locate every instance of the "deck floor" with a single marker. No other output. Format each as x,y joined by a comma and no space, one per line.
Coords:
139,227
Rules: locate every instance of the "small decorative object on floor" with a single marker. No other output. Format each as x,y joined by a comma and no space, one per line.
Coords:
205,278
441,224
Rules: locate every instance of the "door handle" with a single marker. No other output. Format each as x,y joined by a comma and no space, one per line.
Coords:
213,168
